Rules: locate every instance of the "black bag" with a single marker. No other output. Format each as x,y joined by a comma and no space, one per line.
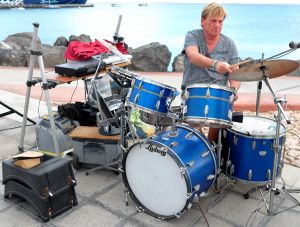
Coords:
78,111
48,187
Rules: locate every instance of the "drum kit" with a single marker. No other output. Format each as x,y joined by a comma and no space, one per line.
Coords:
163,174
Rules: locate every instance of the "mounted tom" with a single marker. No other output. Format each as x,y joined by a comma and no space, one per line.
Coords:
151,96
209,105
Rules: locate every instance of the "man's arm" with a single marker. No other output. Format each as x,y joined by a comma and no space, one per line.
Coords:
202,61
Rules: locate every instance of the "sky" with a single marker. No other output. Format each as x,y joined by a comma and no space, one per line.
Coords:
206,1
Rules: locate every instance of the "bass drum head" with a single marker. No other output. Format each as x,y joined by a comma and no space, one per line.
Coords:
154,181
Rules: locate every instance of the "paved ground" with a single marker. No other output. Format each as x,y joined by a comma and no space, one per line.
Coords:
101,198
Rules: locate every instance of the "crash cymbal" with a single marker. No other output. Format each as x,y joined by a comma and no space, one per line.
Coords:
272,69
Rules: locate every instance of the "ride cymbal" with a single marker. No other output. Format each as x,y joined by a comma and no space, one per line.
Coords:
271,69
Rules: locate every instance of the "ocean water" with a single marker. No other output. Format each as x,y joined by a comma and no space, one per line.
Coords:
256,29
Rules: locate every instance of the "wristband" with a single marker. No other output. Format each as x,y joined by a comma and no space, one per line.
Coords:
213,67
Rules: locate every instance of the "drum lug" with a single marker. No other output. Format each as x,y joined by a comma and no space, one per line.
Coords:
229,114
197,187
224,134
141,85
262,153
207,93
173,144
231,170
189,135
206,109
269,174
253,145
210,177
250,174
136,99
235,140
161,93
190,164
205,154
157,105
173,134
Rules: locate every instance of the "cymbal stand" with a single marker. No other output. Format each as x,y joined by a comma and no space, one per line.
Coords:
273,190
259,86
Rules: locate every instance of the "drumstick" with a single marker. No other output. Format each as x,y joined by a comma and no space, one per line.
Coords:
242,62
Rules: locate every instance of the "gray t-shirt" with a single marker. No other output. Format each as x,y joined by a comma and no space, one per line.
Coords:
225,50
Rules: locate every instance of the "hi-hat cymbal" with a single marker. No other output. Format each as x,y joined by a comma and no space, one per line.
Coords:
271,69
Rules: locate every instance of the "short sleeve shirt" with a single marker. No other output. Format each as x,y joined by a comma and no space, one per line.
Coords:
225,50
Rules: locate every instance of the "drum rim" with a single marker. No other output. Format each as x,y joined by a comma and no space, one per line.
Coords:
141,78
146,109
215,86
252,182
194,119
258,136
133,196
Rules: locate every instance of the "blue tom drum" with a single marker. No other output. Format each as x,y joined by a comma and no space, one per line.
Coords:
209,105
151,96
164,173
248,149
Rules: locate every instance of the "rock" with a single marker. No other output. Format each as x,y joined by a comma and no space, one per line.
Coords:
53,55
153,57
81,38
61,41
10,57
5,46
21,41
177,64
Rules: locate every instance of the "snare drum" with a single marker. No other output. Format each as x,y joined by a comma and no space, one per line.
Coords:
164,173
249,149
209,105
151,96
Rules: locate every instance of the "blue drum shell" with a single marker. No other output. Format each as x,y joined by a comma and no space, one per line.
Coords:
219,103
149,96
189,150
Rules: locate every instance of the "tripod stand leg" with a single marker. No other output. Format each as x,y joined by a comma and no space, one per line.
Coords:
28,90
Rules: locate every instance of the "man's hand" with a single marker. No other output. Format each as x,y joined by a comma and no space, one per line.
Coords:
223,67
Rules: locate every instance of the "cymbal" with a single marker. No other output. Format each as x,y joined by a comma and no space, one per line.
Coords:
271,69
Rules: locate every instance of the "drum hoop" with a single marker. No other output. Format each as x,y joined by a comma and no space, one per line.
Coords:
155,83
215,86
209,120
151,92
254,136
253,182
131,193
146,109
210,97
258,136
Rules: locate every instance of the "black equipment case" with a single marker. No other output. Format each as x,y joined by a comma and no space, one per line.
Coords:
48,187
79,68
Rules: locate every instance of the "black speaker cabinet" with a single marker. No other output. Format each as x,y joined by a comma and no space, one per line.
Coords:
48,187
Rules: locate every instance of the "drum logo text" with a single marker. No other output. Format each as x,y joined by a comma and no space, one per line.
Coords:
155,149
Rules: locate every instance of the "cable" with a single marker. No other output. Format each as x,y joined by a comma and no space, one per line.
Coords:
74,91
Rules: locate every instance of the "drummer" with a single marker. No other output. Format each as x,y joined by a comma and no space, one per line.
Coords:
209,54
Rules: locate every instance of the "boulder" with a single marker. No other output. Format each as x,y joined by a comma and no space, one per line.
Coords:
61,41
10,57
5,46
21,41
53,55
177,65
81,38
153,57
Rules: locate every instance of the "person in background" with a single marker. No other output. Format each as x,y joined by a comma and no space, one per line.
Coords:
209,54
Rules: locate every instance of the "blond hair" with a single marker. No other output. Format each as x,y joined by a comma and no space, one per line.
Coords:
213,9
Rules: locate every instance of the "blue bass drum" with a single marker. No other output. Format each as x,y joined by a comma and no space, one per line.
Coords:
151,96
164,173
209,105
249,149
